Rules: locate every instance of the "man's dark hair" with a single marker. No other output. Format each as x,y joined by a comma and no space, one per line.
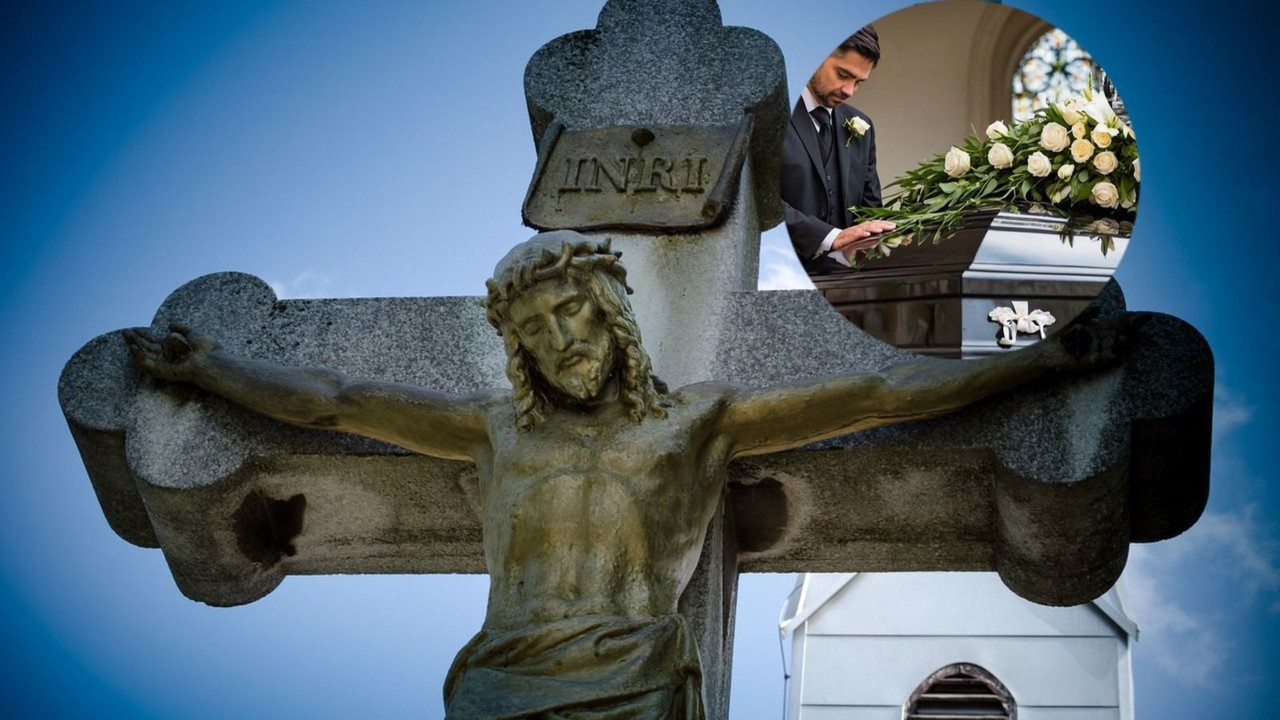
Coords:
865,42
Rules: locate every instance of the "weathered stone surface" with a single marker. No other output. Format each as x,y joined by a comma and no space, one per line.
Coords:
687,285
1047,486
172,464
669,62
659,178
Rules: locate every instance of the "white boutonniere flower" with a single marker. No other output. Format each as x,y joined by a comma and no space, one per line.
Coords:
857,127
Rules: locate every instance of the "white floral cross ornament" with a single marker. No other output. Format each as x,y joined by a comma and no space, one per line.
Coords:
1019,319
857,127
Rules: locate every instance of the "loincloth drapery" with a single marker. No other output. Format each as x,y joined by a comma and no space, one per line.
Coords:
583,668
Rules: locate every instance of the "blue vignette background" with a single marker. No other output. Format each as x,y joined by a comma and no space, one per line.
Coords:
382,149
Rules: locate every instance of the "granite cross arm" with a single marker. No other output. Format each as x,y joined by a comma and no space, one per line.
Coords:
1048,486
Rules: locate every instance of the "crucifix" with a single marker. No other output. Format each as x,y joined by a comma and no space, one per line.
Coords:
610,511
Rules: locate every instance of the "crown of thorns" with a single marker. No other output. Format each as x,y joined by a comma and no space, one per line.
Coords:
536,260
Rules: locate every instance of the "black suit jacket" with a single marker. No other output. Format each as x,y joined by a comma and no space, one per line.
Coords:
806,192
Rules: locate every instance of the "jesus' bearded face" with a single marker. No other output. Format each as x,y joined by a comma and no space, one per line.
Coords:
562,329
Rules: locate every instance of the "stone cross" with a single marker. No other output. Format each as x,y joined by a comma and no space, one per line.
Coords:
663,85
1046,486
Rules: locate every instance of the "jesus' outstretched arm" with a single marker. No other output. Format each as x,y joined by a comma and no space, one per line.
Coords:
422,420
794,414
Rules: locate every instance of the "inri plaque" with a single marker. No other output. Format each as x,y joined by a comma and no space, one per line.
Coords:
655,177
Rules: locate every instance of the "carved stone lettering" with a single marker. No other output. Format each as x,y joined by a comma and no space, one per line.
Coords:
634,174
656,177
616,177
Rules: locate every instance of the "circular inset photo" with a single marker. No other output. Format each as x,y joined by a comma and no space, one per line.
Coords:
960,178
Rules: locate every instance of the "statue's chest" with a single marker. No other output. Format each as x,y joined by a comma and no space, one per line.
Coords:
577,445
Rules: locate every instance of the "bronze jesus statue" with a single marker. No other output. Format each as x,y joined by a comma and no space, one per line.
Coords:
597,483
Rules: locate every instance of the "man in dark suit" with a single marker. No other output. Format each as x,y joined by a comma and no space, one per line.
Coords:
829,161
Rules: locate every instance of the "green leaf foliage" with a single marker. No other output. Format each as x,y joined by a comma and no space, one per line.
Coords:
927,202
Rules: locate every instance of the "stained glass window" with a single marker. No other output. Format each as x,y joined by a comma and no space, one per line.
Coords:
1054,68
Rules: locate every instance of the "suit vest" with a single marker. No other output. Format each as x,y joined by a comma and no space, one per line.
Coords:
831,169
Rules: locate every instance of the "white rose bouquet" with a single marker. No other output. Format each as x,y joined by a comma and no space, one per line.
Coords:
1074,159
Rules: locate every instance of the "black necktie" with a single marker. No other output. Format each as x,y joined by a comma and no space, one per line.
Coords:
824,129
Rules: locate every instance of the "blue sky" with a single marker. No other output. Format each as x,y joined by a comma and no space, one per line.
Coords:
374,149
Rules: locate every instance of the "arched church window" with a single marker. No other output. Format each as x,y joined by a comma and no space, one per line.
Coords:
964,691
1053,69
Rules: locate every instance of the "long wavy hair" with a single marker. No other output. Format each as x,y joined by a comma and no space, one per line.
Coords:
569,254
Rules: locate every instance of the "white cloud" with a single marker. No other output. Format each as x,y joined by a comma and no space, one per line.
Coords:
304,285
1176,588
1224,548
779,268
1230,412
1244,547
1167,629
